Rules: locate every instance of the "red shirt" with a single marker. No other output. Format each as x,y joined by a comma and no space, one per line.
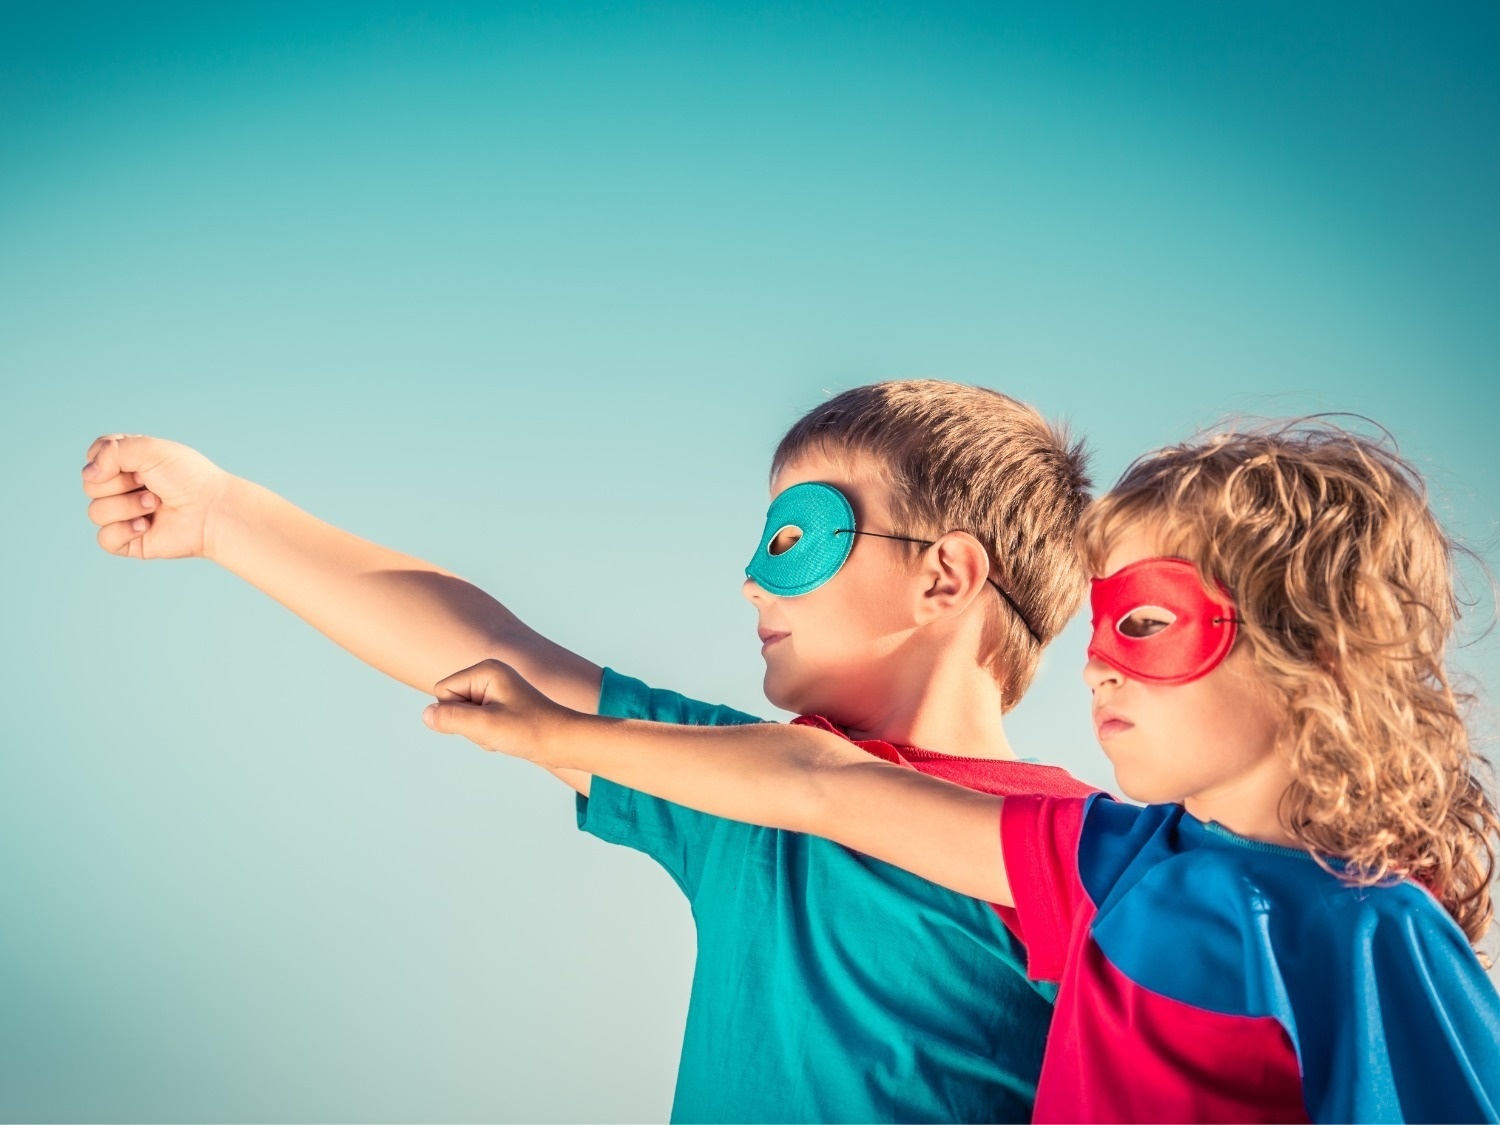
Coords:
1001,777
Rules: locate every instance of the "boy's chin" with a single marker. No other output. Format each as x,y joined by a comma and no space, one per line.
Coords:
793,693
780,693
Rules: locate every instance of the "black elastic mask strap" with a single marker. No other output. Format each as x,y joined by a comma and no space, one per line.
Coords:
999,589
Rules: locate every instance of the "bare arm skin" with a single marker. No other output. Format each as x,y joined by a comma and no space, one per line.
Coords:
796,778
410,619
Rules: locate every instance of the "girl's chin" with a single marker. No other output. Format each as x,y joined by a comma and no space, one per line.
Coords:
1131,785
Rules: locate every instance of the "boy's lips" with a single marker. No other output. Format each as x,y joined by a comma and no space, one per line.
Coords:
769,637
1108,723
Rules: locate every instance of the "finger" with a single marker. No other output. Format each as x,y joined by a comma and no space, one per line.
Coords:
124,482
478,683
464,686
124,538
124,507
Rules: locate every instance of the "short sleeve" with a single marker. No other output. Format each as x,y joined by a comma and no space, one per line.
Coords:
1039,840
1405,1025
676,837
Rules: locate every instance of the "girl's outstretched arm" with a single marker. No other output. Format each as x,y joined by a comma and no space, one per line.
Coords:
790,777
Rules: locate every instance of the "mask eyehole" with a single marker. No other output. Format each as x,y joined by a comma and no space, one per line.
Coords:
1145,621
784,540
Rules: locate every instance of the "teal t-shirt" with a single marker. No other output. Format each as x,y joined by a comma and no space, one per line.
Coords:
828,986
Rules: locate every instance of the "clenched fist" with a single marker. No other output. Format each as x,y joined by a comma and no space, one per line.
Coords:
152,499
492,706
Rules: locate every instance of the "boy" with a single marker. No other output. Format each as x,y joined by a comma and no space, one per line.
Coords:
827,986
1283,933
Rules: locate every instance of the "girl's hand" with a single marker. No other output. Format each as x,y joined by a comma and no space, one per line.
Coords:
492,706
152,499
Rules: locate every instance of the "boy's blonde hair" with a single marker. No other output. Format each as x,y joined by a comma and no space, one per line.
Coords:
1343,579
961,458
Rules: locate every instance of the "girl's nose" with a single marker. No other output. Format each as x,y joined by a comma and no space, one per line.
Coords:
1096,674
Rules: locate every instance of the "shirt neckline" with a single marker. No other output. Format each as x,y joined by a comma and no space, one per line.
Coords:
1229,835
917,753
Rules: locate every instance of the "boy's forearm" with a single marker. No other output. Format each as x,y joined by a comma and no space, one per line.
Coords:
803,780
408,618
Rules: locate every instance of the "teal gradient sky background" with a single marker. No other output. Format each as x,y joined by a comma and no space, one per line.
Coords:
532,290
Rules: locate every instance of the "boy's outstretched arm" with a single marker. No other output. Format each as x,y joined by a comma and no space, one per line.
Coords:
791,777
414,621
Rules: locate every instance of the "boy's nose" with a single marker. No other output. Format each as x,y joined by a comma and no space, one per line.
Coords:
1096,674
752,591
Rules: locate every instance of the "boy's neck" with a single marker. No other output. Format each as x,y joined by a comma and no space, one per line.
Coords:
953,710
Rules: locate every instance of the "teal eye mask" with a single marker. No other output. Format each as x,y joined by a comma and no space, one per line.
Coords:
809,534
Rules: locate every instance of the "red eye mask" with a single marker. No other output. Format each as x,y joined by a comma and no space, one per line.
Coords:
1133,640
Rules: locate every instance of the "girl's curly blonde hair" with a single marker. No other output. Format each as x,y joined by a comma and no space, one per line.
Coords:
1343,579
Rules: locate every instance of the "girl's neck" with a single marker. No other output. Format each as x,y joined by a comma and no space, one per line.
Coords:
1249,805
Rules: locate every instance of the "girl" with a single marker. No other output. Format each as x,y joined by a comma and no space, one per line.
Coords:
1283,931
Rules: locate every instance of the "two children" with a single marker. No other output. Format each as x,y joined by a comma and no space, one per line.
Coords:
1283,931
828,986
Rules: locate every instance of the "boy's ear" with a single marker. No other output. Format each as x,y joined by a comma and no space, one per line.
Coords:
956,567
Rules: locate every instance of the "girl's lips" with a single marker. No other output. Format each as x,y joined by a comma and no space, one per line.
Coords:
1109,726
769,637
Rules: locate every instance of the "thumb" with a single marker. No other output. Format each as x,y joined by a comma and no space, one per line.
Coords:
454,718
122,454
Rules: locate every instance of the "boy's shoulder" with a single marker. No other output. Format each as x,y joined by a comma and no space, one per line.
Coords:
625,697
1000,777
